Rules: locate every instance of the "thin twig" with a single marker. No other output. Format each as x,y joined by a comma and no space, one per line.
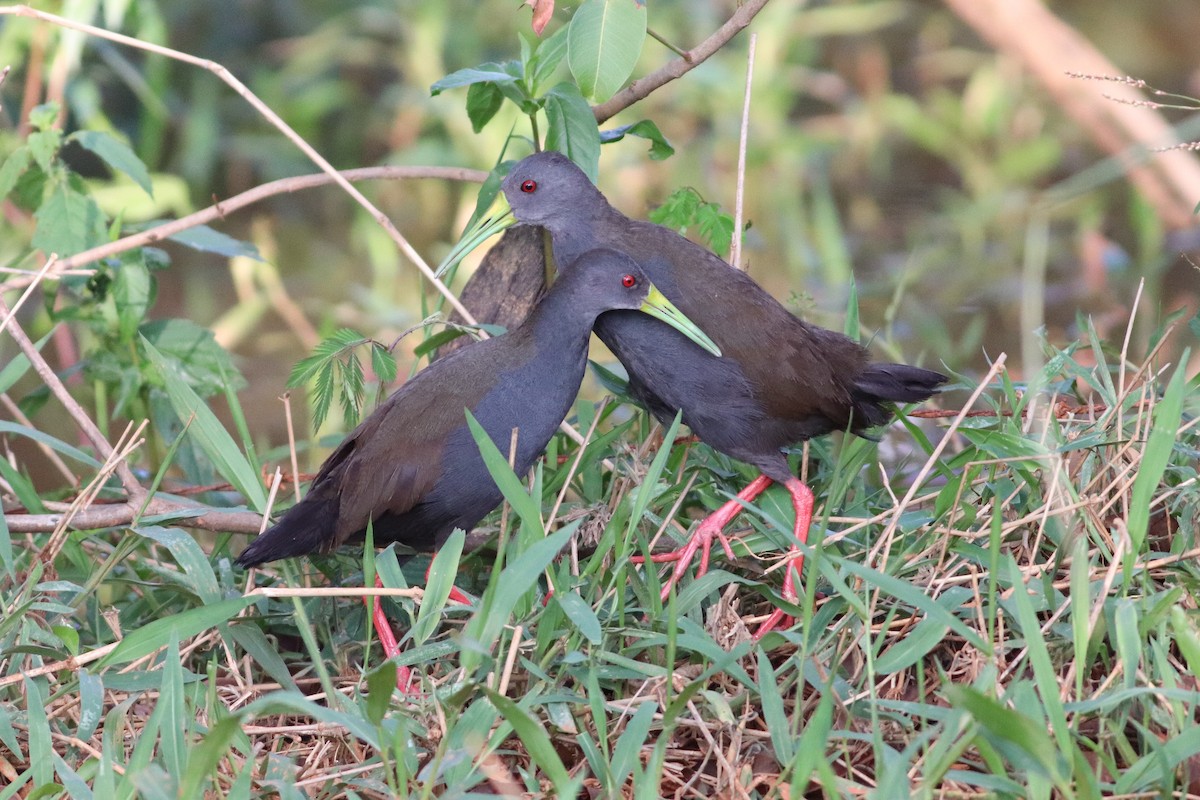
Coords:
735,250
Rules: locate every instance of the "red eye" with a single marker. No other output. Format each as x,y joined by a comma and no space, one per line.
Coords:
529,187
629,281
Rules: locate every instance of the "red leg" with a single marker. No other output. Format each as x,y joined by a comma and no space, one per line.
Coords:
709,529
387,638
802,501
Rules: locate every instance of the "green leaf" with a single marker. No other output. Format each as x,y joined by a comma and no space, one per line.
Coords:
14,165
625,754
198,573
660,148
572,128
546,58
381,683
117,155
68,222
44,146
208,432
442,572
207,240
908,650
528,509
133,292
173,722
603,44
581,615
483,101
44,117
1023,740
536,740
484,73
194,353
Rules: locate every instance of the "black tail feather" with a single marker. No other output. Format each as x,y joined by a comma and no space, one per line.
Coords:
307,527
891,383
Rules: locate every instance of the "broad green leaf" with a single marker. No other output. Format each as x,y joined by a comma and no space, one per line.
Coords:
40,745
116,154
1022,739
442,572
91,704
381,683
133,291
13,166
291,702
528,509
484,73
906,651
44,146
173,722
603,44
77,788
518,577
549,54
208,432
206,366
255,643
483,101
660,148
771,703
572,128
625,754
208,240
68,222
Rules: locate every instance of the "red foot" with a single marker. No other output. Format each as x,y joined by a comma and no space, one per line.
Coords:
802,501
711,528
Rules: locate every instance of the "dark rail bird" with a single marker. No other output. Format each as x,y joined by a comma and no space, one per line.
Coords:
412,469
780,380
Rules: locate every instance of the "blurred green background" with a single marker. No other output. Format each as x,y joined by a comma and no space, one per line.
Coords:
889,147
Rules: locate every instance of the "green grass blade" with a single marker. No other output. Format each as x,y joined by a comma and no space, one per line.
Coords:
536,740
1160,443
212,437
150,637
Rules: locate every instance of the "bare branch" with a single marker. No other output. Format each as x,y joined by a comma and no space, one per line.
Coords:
693,58
224,207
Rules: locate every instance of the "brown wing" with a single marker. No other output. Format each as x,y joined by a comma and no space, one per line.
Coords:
809,370
394,457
